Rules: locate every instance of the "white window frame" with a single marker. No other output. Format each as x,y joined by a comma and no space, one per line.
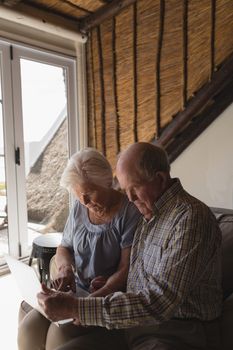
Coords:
9,149
18,245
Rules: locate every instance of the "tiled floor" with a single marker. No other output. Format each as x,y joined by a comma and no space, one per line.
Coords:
10,300
33,232
10,297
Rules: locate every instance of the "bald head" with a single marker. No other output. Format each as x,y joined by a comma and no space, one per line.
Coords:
145,159
143,171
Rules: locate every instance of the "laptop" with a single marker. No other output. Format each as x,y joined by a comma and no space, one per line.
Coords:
29,285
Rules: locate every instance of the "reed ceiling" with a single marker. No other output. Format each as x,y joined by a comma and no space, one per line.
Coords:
147,60
75,10
147,65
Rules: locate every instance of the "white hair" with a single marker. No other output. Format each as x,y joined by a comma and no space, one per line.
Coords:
87,165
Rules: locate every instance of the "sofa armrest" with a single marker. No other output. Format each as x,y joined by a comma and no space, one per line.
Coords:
226,323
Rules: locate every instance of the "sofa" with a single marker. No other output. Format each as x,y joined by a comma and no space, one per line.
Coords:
225,221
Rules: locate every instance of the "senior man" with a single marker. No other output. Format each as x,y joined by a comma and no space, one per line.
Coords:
174,296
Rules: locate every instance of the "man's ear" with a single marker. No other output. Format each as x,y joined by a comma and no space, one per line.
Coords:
162,177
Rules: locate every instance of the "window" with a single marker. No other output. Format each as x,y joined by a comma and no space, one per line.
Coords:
38,132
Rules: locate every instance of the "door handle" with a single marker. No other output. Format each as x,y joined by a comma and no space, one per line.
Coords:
17,156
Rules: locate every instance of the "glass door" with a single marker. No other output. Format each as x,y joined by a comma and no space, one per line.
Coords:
9,239
44,112
45,133
4,246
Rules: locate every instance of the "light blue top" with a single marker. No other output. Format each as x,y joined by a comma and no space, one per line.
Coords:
97,248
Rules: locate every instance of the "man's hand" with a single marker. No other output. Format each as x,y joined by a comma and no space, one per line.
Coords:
65,280
57,305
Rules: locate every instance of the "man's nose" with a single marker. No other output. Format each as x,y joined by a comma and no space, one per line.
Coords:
132,196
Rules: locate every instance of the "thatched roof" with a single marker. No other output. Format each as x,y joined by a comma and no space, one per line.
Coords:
157,70
48,203
146,60
148,63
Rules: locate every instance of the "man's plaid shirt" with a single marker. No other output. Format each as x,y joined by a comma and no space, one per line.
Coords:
175,268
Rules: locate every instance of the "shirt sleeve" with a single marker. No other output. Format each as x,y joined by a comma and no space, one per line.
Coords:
129,224
180,268
68,233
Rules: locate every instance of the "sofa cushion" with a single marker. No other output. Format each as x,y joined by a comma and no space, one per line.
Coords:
226,324
225,221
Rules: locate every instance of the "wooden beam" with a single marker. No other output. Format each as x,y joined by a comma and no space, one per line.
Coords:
10,2
200,123
41,20
221,78
105,12
158,67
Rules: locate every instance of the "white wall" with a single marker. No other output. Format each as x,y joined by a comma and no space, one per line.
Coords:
205,168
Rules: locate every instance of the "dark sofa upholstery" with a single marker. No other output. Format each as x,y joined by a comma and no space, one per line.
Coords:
225,220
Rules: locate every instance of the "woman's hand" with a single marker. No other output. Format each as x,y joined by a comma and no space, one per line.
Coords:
57,305
101,286
97,283
65,280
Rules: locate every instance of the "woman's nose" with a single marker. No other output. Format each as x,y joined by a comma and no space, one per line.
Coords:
86,199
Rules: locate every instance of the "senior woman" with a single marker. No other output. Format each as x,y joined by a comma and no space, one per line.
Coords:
94,252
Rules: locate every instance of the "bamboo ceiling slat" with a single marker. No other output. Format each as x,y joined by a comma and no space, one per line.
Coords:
90,5
46,3
124,73
147,19
224,30
212,37
102,91
172,62
68,9
135,67
97,92
199,44
158,65
90,95
59,6
185,52
108,75
114,62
